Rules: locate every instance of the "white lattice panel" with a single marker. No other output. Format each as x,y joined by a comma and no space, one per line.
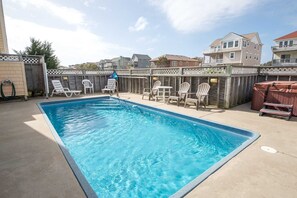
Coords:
31,59
204,71
140,71
99,72
64,72
7,57
123,72
166,72
292,71
243,70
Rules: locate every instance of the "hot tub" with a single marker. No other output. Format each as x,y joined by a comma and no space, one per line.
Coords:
282,92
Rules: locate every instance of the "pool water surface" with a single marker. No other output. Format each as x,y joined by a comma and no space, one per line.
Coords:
129,150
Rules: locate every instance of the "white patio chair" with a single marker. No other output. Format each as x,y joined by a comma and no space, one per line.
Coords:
59,89
182,93
201,94
87,85
153,92
111,86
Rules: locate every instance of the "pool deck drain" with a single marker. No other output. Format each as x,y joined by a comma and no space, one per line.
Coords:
32,164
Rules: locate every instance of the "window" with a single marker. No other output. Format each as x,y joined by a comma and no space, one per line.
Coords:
224,45
255,46
285,43
285,58
236,44
247,43
232,55
280,44
174,63
230,44
244,43
291,43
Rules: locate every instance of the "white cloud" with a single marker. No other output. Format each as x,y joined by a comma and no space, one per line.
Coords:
201,15
102,8
140,24
72,46
68,15
87,2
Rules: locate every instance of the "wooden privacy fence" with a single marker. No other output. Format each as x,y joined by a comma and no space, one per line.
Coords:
230,85
133,81
73,78
35,71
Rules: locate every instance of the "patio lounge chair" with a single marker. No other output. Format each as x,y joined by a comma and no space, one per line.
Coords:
201,94
182,93
153,92
59,89
111,86
87,85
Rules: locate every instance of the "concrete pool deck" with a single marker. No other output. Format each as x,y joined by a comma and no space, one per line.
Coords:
32,164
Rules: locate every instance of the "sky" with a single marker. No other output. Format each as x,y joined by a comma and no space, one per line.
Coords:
90,30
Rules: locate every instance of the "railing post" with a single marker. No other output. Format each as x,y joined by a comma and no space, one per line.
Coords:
228,87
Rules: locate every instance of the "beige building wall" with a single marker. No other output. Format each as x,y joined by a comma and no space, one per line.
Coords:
3,37
14,71
251,54
236,59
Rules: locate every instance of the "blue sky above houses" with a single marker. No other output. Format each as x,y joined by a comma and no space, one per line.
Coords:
90,30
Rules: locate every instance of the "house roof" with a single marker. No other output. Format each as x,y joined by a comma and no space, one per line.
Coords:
142,56
172,57
248,36
288,36
216,42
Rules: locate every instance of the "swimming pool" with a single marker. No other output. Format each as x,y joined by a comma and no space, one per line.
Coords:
125,149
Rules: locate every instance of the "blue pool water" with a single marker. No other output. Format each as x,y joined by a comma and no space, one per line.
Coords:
127,150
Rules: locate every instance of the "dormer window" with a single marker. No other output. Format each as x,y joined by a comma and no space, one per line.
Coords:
285,43
230,44
236,44
225,45
280,44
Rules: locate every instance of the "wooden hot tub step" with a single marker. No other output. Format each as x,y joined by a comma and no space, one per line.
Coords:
286,110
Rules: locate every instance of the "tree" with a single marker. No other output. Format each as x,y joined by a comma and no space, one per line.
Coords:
38,47
86,66
163,62
269,63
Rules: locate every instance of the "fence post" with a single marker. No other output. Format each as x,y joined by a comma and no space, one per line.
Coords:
228,87
45,77
150,78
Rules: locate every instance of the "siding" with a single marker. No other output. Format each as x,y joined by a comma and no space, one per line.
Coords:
14,71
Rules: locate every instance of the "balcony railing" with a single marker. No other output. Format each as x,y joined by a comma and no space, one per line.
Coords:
212,50
213,62
284,62
284,47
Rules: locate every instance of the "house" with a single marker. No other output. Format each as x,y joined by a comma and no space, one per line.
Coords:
105,64
120,62
169,60
285,50
234,49
140,61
